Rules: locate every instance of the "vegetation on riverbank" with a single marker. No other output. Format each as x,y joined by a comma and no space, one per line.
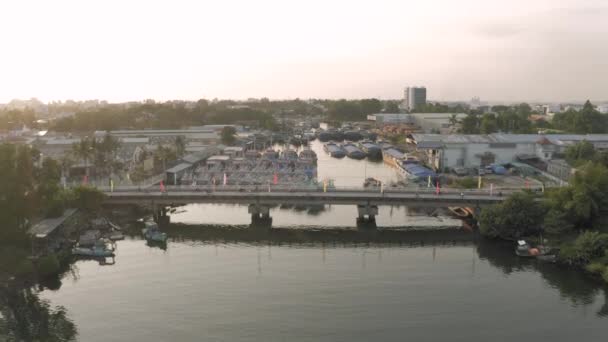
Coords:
573,217
30,191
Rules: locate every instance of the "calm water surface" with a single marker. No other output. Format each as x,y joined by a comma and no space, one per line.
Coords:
197,289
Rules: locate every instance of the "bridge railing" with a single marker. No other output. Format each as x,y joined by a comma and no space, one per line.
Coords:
498,191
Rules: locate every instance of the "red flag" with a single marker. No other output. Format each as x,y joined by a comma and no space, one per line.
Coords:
162,186
275,179
437,191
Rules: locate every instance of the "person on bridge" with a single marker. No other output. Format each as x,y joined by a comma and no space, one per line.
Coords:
462,195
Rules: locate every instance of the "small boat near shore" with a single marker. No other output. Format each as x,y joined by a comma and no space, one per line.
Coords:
101,248
540,252
460,212
153,233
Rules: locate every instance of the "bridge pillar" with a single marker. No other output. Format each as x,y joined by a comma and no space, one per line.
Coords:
367,216
159,214
260,216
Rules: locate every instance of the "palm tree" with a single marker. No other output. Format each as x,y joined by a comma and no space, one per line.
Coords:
453,120
83,150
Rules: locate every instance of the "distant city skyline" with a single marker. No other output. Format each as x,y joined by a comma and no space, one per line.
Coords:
119,51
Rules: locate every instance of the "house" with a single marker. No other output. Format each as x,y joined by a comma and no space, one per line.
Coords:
50,235
446,151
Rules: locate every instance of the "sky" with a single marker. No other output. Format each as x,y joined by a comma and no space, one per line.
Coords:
125,50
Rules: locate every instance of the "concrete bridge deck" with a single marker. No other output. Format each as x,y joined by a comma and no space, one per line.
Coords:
420,197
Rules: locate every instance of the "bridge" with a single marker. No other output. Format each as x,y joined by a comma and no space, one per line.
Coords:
261,198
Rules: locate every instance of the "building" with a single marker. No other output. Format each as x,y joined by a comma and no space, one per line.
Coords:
427,122
560,169
414,97
50,235
444,152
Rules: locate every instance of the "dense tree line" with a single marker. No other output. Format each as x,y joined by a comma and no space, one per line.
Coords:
575,214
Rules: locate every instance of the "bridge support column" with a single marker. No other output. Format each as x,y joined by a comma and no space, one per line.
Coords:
260,216
367,216
160,215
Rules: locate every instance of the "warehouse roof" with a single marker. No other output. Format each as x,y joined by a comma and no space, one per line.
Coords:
45,227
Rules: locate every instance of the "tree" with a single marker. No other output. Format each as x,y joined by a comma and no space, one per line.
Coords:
83,150
580,153
180,146
488,124
470,124
227,135
87,199
391,107
519,215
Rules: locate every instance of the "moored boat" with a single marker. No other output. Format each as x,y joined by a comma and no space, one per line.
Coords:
352,151
334,150
153,233
460,212
101,248
372,150
308,155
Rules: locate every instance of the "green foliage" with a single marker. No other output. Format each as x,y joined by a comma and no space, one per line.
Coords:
228,135
17,191
466,183
24,268
590,245
595,267
587,120
583,203
519,215
605,274
557,222
48,265
470,124
580,153
87,198
353,110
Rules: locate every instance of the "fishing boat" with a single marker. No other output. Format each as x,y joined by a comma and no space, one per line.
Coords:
371,182
352,151
460,212
153,233
308,155
334,150
372,150
101,248
289,154
270,154
524,249
353,135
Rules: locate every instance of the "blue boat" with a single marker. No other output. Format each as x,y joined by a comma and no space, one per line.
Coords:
352,151
334,150
372,150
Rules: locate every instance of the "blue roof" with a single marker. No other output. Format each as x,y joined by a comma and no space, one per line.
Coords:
419,171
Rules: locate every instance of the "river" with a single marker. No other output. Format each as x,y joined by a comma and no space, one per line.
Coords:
328,282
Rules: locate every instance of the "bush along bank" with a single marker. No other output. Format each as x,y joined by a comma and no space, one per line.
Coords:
574,218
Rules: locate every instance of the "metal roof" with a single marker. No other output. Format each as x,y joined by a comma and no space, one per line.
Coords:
43,228
179,168
557,139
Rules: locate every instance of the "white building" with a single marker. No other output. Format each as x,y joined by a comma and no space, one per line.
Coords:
413,97
472,151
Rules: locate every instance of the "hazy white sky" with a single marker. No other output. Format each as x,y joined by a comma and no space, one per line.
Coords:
131,50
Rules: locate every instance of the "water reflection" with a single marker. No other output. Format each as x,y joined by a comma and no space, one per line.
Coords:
572,284
26,317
